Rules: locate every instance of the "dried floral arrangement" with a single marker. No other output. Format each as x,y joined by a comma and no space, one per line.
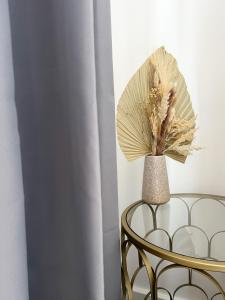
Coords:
155,115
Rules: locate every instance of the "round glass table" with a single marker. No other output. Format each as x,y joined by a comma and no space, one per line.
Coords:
180,246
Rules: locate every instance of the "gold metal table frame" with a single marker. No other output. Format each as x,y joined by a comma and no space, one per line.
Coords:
202,266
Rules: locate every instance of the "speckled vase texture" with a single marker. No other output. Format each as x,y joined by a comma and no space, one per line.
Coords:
155,189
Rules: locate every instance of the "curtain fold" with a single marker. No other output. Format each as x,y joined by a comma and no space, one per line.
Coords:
64,98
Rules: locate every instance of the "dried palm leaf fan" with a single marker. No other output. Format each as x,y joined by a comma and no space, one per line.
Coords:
155,118
155,114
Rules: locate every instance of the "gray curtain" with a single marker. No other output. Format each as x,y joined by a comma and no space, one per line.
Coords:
62,64
13,266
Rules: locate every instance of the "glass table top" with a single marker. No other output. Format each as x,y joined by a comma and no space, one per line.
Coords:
189,224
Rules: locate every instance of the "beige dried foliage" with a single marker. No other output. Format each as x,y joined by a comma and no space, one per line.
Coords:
155,114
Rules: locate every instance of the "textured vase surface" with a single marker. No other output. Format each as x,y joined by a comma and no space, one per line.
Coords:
155,189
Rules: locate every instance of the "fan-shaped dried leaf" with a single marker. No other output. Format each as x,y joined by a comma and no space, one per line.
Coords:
152,110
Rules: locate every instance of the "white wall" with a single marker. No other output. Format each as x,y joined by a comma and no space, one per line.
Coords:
194,32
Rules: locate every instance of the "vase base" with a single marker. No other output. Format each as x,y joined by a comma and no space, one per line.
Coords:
156,201
155,188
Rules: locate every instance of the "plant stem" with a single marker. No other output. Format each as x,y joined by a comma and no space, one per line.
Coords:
162,137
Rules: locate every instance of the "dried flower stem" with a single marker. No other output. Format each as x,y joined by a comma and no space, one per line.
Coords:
167,132
165,123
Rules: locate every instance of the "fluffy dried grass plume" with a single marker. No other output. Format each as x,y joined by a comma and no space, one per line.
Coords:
155,114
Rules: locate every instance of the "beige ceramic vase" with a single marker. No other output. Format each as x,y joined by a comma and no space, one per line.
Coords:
155,189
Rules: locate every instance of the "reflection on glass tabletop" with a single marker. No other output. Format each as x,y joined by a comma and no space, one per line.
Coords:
189,224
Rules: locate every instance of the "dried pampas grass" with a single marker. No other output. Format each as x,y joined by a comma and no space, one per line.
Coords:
155,114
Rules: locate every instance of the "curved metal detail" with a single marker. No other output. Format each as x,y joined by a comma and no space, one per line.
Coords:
167,268
205,197
165,290
196,201
174,196
181,199
153,215
132,210
202,272
196,227
190,226
176,260
147,296
212,238
150,272
217,294
158,265
213,280
192,285
135,274
127,284
213,198
163,230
